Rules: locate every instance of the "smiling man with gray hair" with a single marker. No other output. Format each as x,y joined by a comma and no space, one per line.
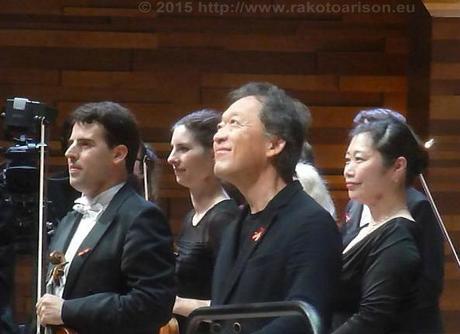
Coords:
285,246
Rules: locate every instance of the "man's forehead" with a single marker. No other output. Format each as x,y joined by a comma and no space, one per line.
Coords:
87,130
87,125
247,104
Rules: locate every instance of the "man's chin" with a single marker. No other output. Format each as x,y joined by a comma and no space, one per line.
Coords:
222,171
75,184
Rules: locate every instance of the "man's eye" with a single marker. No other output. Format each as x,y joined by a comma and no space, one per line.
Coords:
85,144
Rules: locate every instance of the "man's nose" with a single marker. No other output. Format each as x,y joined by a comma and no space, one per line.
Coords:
70,153
220,135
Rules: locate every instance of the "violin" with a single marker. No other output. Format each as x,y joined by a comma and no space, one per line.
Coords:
172,327
57,259
63,330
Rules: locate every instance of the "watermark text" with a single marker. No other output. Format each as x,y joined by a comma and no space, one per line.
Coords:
164,7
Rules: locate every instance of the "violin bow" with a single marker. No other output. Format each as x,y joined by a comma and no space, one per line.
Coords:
441,224
41,217
145,177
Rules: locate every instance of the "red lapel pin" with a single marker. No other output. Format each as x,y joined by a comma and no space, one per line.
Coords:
83,252
258,234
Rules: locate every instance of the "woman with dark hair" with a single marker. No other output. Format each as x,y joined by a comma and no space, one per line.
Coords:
192,159
381,265
428,237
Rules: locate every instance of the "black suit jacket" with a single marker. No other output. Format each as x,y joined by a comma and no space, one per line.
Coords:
428,237
296,258
122,278
7,265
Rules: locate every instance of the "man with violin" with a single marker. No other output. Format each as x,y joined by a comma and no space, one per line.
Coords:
114,272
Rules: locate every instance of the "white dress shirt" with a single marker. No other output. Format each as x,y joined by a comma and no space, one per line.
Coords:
91,209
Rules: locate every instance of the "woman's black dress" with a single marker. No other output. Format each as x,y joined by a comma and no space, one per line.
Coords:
378,282
197,248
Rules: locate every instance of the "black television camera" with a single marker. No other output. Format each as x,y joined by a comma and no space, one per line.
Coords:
19,175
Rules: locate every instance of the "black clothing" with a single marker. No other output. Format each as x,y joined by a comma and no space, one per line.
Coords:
121,279
7,253
377,284
197,249
7,265
251,224
429,241
294,254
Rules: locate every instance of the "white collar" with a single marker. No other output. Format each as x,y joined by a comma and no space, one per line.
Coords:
103,198
366,217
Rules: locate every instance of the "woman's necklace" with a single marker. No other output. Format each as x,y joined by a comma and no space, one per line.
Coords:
373,224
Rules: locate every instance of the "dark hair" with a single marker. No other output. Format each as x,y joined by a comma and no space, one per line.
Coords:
282,116
377,114
119,124
202,124
394,139
303,109
66,130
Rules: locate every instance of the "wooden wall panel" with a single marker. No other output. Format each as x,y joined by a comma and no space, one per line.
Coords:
444,126
77,39
33,58
162,66
288,82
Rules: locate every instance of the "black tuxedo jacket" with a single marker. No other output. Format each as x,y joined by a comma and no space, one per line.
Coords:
121,279
428,237
297,257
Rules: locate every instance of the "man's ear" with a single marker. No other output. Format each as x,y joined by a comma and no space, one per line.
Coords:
120,153
274,146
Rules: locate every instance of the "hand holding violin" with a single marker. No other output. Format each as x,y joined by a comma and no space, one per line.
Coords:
49,308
